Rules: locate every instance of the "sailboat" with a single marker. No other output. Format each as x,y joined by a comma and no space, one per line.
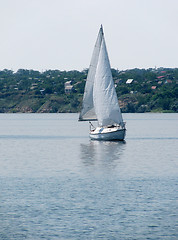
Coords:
100,102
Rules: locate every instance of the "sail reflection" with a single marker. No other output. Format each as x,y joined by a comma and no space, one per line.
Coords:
102,153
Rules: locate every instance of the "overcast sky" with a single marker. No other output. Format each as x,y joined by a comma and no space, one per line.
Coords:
60,34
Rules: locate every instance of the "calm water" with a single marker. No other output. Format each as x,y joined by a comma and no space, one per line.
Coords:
57,184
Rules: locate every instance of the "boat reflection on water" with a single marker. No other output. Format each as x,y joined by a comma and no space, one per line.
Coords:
102,153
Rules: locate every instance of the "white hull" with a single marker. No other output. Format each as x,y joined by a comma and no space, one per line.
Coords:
108,134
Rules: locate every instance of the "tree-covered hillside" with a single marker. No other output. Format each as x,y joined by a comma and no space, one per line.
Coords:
138,90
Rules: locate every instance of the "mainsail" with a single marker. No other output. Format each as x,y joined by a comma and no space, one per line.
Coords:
100,99
88,111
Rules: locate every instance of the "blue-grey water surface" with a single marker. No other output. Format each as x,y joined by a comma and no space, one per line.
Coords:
55,183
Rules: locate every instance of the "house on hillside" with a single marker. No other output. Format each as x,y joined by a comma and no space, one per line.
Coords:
160,77
129,81
68,87
168,81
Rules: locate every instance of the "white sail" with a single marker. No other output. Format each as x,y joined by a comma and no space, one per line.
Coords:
100,99
105,98
88,111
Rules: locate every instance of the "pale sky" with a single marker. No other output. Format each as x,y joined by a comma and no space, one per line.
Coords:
60,34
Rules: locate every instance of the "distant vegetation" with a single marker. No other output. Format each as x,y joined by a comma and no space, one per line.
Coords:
151,90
